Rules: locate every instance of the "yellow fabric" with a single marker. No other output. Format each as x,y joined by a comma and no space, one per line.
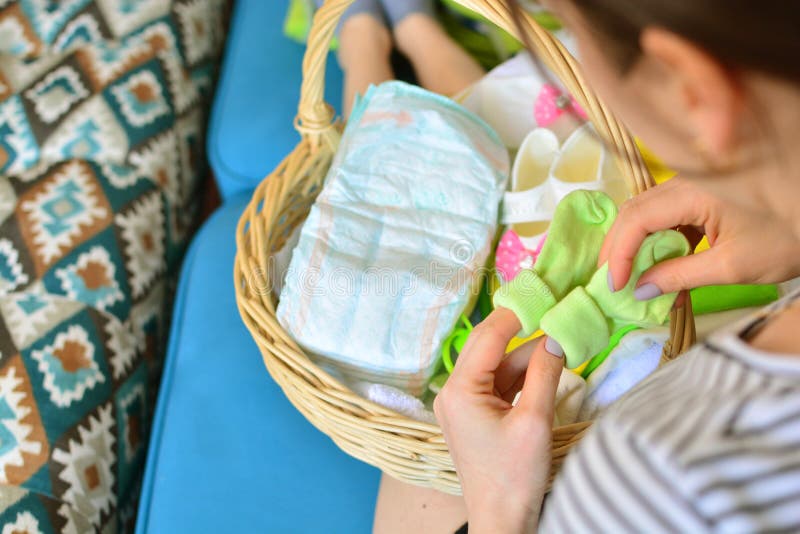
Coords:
519,341
702,245
579,370
661,173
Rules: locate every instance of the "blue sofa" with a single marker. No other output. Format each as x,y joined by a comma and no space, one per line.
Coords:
228,452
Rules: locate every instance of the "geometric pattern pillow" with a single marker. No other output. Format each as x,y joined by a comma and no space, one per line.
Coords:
102,118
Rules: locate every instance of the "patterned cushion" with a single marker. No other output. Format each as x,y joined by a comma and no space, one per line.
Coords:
102,113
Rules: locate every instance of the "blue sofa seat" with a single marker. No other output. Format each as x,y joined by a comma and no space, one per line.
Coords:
228,452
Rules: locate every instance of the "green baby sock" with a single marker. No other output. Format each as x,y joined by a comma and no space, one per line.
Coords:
567,259
583,320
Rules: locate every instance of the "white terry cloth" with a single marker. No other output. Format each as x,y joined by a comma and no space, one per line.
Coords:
395,399
569,398
637,355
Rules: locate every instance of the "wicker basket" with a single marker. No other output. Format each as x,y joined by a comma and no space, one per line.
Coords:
409,450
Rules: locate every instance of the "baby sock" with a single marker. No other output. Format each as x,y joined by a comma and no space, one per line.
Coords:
397,10
583,320
371,7
567,259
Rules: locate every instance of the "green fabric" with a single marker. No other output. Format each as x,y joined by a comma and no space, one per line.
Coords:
582,321
709,299
488,44
712,299
567,260
485,298
298,20
579,326
489,48
545,19
529,297
297,24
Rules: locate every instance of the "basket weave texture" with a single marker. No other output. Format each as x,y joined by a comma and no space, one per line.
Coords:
406,449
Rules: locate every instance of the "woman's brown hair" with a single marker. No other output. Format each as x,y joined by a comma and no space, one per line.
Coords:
743,34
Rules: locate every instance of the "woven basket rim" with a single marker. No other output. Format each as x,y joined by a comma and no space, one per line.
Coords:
409,450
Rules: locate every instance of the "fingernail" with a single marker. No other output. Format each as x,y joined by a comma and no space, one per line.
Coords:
610,282
646,292
552,346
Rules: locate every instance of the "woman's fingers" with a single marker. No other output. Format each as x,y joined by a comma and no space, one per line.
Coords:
513,366
484,350
650,196
541,382
669,205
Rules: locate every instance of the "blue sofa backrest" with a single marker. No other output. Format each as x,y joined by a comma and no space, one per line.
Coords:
251,128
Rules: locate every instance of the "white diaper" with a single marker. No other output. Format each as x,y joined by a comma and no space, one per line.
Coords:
392,250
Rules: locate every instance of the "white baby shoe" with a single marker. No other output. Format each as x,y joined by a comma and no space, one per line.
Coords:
542,175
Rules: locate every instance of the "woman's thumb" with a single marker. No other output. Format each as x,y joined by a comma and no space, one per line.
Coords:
541,378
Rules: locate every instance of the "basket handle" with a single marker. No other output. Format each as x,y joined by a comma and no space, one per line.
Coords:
315,117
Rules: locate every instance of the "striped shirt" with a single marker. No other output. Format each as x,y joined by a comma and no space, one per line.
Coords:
711,442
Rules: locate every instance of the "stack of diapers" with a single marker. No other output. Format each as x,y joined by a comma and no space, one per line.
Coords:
393,249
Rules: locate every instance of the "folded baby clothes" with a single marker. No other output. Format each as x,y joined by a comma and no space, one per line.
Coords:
583,321
514,98
632,360
569,298
567,260
638,353
395,399
392,251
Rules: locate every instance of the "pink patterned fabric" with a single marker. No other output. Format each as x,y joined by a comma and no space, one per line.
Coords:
512,256
551,104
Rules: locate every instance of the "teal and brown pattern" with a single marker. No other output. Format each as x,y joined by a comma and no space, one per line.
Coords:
102,111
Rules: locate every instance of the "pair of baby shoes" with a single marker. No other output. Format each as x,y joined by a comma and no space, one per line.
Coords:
544,172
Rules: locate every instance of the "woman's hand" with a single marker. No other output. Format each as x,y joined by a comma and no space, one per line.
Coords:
749,243
501,453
